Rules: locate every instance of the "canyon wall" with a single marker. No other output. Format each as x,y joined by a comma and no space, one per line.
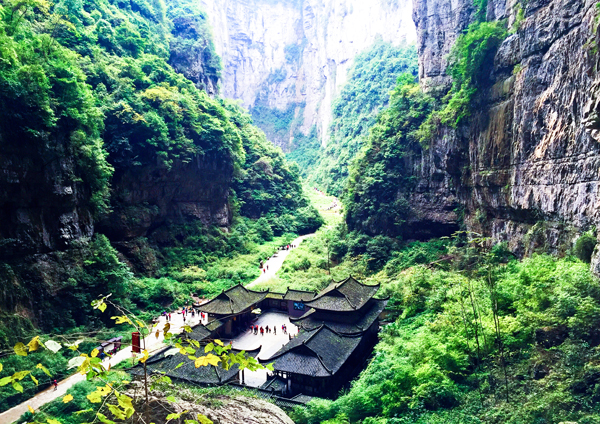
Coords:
525,169
289,58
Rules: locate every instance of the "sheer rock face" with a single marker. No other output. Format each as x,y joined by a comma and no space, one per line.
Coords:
44,206
526,168
295,53
146,198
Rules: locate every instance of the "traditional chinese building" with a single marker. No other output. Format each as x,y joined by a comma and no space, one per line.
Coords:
339,330
292,301
231,311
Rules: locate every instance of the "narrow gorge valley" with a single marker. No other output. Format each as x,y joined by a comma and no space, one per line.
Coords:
422,177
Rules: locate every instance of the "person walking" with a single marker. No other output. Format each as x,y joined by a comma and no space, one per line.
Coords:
55,384
262,331
275,330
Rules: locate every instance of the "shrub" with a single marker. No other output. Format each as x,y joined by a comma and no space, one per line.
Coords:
584,247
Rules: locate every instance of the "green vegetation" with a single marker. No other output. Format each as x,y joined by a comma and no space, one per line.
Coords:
371,78
191,44
584,246
267,186
96,84
277,124
379,181
67,413
382,177
468,327
471,60
305,150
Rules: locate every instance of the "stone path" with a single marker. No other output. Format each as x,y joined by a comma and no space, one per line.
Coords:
276,262
270,342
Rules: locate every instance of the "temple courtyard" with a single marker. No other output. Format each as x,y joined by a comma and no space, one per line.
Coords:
269,343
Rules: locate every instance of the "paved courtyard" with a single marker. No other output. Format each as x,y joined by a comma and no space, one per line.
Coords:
270,342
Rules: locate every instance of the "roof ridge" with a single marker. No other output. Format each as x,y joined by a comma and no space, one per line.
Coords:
348,300
321,361
313,351
312,335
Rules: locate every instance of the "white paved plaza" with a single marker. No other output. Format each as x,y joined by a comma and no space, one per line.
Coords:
270,342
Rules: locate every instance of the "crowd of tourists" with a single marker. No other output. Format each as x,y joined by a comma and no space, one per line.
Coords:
256,329
187,312
264,265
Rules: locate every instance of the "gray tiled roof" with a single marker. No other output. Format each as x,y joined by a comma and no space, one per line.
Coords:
276,384
303,398
215,325
233,301
311,321
188,371
317,353
347,295
199,333
299,295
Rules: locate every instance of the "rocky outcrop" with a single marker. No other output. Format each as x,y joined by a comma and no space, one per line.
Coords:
219,409
192,53
294,55
526,167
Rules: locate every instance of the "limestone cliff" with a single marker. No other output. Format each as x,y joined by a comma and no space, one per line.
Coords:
525,169
290,57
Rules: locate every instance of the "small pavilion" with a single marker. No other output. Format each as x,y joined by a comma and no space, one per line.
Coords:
231,311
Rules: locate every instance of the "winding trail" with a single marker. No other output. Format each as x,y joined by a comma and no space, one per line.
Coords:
151,343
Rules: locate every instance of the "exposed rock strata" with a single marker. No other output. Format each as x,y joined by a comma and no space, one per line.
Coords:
297,53
44,205
526,168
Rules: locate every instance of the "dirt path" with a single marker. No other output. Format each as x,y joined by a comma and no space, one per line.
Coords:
48,395
274,264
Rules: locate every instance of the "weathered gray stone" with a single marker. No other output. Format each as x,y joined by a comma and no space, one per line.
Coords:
251,36
530,153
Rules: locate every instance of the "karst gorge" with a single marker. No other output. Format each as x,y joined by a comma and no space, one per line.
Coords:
299,211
